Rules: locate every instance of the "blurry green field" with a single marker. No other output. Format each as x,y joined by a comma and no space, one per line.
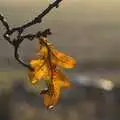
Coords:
7,78
29,108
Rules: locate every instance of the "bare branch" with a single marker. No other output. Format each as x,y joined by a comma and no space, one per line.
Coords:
36,20
37,35
16,42
4,22
17,57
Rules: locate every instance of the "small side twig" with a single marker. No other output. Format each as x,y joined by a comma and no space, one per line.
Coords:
15,42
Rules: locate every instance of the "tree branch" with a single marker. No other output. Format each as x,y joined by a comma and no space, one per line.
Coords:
36,20
20,38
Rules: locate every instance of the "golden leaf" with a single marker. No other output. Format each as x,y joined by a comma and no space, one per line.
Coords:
58,57
40,71
36,63
43,51
59,81
62,59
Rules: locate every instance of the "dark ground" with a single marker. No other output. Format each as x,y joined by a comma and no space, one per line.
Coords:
80,102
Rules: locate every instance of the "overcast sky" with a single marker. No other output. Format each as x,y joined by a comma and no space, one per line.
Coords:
93,2
84,24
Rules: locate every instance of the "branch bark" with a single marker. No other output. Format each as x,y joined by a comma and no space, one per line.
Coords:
20,38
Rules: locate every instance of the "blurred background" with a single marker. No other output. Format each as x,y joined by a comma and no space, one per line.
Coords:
87,30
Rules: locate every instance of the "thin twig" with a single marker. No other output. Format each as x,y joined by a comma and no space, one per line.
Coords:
20,38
